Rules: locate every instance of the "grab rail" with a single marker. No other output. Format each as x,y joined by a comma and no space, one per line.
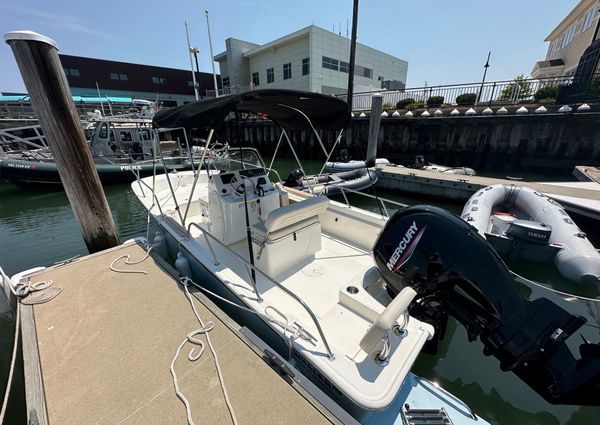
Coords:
247,264
377,198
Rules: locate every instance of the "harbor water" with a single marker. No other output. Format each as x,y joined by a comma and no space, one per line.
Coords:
38,228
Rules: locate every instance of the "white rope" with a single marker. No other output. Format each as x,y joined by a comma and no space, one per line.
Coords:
12,365
295,332
129,263
204,329
22,289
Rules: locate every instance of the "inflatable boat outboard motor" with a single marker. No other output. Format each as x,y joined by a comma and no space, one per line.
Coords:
455,272
294,179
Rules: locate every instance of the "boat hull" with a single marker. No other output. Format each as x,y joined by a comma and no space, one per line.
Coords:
35,173
413,391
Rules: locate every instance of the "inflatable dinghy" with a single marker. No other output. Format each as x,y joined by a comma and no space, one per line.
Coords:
353,165
429,166
521,222
331,184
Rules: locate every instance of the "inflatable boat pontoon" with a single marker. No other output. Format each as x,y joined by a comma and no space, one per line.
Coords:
526,224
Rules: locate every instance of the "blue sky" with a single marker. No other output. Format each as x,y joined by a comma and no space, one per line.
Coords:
443,41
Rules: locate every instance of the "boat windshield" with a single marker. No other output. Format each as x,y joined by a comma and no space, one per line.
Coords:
237,159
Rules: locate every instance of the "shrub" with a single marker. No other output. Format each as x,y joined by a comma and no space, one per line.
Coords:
594,86
435,100
466,98
387,106
547,101
518,89
546,92
405,102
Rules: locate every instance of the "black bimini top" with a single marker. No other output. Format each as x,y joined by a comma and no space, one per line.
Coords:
281,106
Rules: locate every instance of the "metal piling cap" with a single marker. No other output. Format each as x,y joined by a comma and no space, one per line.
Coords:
29,35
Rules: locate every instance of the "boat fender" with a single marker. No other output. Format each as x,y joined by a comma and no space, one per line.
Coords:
182,265
159,244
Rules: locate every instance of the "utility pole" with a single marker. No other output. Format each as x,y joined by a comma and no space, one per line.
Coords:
485,68
48,89
191,64
212,58
350,90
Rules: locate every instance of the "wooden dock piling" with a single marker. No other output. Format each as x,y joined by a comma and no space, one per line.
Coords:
46,83
374,122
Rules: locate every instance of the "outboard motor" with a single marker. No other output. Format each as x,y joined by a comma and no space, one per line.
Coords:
294,179
456,272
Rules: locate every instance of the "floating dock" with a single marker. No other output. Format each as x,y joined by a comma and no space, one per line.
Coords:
100,352
587,173
578,198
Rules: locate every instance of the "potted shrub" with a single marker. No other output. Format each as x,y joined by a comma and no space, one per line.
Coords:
466,99
404,103
435,101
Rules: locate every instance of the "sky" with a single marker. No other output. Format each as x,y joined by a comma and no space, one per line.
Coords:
444,42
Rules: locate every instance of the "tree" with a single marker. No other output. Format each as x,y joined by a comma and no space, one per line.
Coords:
518,89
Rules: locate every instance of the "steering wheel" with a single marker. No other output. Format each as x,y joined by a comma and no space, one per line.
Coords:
239,187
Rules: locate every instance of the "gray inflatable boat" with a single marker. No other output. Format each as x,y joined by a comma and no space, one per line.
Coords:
521,222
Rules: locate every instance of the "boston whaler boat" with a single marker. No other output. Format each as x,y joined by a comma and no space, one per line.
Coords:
350,297
300,265
526,224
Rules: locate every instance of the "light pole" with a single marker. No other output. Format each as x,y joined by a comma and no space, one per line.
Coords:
212,58
191,64
485,68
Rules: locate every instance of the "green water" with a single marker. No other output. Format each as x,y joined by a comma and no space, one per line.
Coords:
38,228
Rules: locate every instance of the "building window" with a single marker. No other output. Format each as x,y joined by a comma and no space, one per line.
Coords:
225,81
305,66
330,63
344,67
114,76
123,77
159,80
287,71
361,71
255,79
73,72
270,75
190,83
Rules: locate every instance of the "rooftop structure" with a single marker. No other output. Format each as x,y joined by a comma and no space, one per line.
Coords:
310,59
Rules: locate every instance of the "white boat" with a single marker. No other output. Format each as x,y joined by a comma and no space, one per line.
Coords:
300,265
353,165
527,224
332,184
429,166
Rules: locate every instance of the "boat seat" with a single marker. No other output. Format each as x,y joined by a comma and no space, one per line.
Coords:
290,218
290,235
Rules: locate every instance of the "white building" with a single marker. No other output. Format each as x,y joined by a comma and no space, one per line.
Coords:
311,59
568,41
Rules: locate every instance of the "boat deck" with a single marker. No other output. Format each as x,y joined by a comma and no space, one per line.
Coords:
100,352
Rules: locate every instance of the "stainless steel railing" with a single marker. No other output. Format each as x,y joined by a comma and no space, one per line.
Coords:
379,199
250,266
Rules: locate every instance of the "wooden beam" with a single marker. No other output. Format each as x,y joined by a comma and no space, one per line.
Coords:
46,83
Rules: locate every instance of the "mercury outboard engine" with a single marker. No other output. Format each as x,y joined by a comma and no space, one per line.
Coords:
294,179
455,272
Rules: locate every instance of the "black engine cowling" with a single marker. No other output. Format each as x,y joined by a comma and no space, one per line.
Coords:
456,272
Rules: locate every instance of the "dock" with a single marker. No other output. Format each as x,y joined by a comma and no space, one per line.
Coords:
579,198
100,352
587,173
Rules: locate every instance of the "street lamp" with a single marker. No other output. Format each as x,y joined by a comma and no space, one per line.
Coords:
485,68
